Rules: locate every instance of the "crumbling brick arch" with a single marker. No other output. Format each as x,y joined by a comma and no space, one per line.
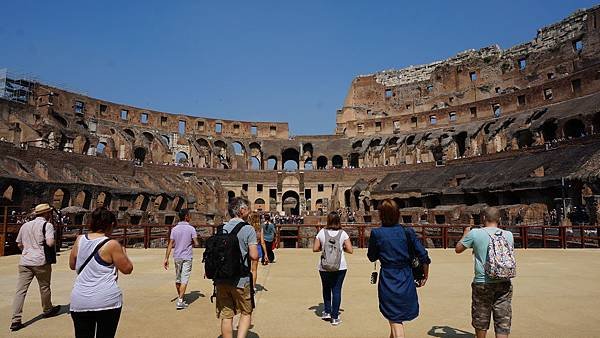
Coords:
461,143
549,129
139,154
129,133
182,157
83,199
104,199
178,203
256,156
354,160
524,138
223,159
141,202
161,202
81,145
61,198
8,195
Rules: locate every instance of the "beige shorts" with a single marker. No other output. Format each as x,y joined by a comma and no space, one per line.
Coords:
231,301
183,270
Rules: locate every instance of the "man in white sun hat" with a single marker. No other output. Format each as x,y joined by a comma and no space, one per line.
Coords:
33,264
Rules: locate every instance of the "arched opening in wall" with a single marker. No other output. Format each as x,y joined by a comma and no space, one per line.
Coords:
100,148
321,162
60,119
375,142
357,199
166,140
238,148
272,163
470,199
230,195
291,159
461,143
549,128
308,164
161,202
432,202
392,141
178,203
8,196
596,123
347,196
61,199
307,150
83,200
291,202
337,162
141,202
103,199
410,140
259,204
524,138
400,203
148,137
357,144
319,204
139,154
438,154
414,202
203,143
129,132
255,163
574,128
353,161
182,157
62,142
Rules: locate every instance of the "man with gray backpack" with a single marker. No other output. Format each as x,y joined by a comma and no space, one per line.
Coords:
332,241
495,265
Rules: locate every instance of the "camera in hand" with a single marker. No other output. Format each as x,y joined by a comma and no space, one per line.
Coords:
374,277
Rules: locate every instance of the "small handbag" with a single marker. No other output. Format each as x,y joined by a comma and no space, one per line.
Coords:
49,251
417,268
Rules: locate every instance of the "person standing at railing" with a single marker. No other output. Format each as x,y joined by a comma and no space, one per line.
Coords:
183,237
397,288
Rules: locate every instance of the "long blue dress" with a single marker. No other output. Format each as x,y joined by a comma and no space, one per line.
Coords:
397,292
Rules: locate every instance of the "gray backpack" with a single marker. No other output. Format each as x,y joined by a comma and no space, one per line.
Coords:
331,256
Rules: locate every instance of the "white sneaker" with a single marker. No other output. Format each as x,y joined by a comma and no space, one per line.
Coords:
325,316
335,322
181,305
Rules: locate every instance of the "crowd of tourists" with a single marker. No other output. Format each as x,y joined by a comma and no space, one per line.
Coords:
231,258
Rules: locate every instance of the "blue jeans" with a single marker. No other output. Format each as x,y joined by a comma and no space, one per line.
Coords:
332,291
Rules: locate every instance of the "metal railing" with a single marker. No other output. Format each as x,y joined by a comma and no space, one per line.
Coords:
301,235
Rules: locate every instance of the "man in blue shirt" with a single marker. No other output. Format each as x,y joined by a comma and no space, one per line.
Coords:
488,294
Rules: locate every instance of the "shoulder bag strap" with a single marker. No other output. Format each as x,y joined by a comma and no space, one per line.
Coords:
44,233
92,255
238,227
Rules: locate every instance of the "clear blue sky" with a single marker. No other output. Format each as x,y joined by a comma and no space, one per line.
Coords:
273,60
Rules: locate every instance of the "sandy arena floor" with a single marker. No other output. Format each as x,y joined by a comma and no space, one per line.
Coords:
556,295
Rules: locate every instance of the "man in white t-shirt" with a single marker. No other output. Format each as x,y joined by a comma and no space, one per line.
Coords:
333,241
33,264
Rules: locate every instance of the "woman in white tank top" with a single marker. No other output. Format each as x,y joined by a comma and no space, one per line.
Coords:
96,299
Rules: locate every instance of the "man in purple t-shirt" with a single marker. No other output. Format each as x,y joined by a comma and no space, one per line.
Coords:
183,237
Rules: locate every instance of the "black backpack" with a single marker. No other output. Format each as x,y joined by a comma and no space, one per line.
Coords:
222,257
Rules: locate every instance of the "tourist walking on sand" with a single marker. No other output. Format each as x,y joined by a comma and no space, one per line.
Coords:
398,301
332,242
96,299
269,234
234,296
255,222
183,237
490,294
30,240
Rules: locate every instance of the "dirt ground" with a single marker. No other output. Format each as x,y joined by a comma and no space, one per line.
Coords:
556,294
